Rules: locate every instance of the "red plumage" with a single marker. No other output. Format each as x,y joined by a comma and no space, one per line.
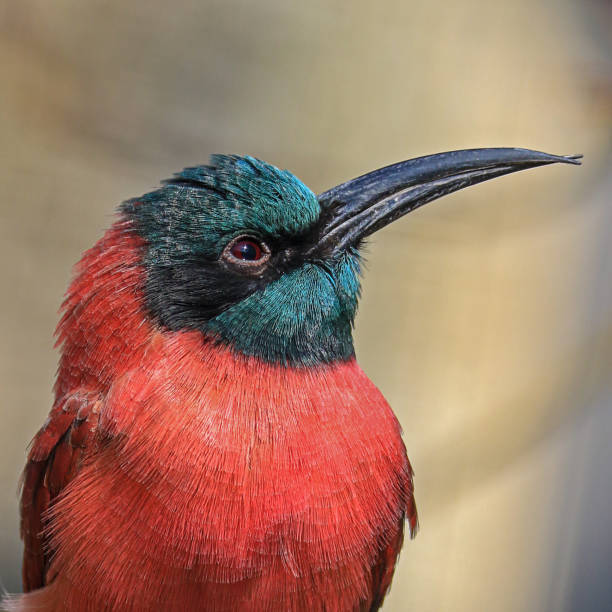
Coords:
176,474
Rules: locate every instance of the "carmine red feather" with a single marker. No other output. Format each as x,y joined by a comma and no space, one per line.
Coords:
175,474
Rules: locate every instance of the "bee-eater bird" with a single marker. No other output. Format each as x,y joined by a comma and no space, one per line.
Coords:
213,443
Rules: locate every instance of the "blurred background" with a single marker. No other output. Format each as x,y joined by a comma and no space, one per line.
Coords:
486,317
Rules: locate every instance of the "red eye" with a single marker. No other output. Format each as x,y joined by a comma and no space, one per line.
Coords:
246,250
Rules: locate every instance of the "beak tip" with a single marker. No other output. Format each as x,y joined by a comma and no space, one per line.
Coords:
575,159
538,156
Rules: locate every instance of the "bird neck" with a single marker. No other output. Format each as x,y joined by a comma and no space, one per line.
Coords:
103,327
106,327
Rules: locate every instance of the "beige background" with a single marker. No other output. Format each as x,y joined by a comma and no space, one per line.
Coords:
486,316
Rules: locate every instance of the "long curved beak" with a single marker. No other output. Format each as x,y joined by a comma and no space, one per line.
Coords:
354,210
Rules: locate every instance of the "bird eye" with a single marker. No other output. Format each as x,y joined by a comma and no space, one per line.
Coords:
246,251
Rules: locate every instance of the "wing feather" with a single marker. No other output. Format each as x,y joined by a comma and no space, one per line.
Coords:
56,454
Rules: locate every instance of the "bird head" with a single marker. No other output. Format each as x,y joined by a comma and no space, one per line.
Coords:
252,258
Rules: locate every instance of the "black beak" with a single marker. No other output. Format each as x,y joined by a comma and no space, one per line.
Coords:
354,210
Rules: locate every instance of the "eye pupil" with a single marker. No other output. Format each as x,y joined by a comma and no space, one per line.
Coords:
246,250
247,254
